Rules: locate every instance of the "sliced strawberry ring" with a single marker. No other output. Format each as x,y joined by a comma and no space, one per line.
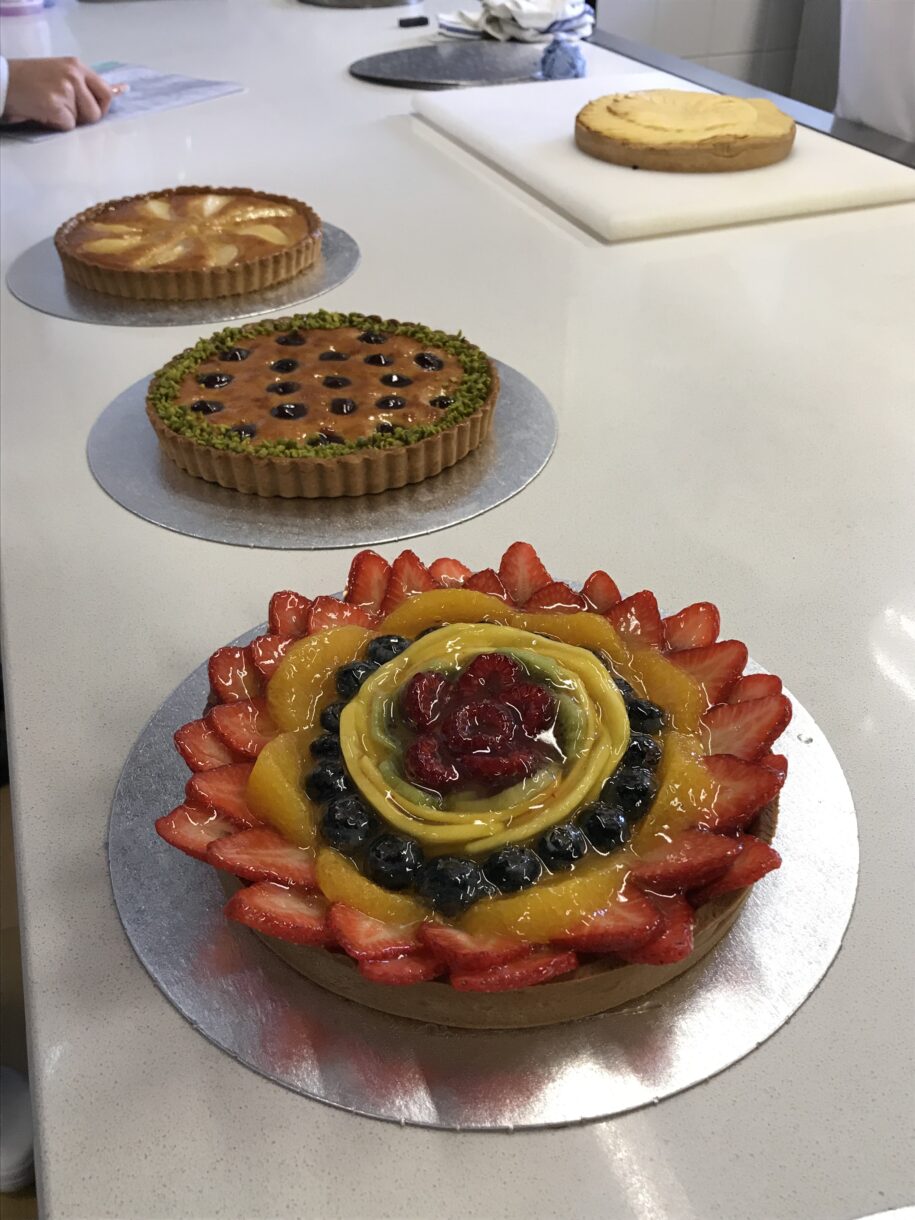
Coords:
600,592
402,971
755,686
638,620
522,573
449,573
223,791
367,583
243,727
461,951
192,830
261,854
294,915
288,614
557,597
754,859
201,748
233,676
716,667
742,789
329,612
409,575
674,942
368,939
696,626
630,921
746,729
487,581
267,652
537,967
691,858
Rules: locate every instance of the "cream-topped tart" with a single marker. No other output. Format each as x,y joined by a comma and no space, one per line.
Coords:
484,799
684,131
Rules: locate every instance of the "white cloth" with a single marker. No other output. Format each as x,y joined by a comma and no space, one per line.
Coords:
4,82
877,65
520,20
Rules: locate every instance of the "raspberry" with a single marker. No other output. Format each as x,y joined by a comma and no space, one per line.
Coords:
488,674
423,700
500,770
424,765
478,726
535,706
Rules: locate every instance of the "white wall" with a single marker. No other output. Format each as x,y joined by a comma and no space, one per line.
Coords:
754,40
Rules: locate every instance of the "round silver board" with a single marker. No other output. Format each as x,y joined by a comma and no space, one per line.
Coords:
37,279
248,1002
125,458
445,65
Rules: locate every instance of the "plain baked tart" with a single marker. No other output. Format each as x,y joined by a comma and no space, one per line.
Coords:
683,131
323,404
189,243
484,799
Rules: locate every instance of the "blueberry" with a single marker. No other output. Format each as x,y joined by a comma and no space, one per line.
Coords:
283,387
643,751
348,823
284,366
336,383
393,861
632,789
442,401
330,717
326,746
623,687
512,868
560,847
327,436
206,406
384,428
245,431
350,677
326,781
214,381
235,353
644,716
292,338
385,648
427,361
333,356
290,410
450,884
343,406
379,360
391,402
605,825
395,379
373,337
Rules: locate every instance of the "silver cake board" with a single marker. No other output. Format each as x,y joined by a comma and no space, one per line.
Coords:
245,1000
36,278
127,462
447,65
358,3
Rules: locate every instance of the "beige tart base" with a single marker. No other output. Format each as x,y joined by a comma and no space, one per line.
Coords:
681,131
593,988
320,454
190,243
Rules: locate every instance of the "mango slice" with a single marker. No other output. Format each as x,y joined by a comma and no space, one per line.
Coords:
670,687
275,792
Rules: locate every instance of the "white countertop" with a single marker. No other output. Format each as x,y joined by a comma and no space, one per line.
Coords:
736,422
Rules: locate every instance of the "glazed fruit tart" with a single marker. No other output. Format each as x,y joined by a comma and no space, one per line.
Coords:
323,404
484,799
189,243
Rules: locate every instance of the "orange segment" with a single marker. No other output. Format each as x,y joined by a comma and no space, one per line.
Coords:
670,687
587,630
340,881
442,606
274,792
686,789
303,682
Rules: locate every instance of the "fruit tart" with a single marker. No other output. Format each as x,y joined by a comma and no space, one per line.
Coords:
323,404
484,799
190,243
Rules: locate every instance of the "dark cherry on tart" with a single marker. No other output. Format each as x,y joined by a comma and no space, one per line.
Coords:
489,780
268,407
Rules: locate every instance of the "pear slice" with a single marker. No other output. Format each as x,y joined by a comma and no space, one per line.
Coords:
110,245
268,233
161,209
222,255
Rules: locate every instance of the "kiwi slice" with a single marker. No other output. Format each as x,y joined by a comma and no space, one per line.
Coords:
408,791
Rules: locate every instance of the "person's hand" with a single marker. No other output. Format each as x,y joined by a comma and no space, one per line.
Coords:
57,93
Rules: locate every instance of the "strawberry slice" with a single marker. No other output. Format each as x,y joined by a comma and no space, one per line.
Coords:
223,790
537,967
487,581
522,573
746,730
743,789
638,620
754,859
777,763
193,830
329,612
461,951
675,940
267,652
402,971
600,592
755,686
288,613
629,921
449,573
232,675
263,855
696,626
279,910
244,727
368,939
200,748
409,575
558,597
716,667
368,581
691,858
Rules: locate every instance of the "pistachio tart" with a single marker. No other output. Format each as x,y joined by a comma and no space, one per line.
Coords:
484,799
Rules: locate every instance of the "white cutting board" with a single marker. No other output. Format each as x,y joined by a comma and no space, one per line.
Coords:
526,132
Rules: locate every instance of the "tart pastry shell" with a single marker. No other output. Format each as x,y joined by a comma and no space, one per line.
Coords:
721,156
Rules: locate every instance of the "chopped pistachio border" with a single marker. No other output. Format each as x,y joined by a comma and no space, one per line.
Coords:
469,395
